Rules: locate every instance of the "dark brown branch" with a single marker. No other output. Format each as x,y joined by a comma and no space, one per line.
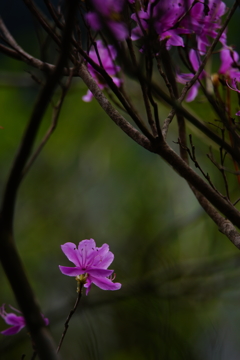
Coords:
111,112
192,178
224,226
16,52
56,113
167,63
220,168
144,90
161,148
10,259
98,68
177,107
42,20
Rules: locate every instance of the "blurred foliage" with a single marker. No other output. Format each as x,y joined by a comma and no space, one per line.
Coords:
180,293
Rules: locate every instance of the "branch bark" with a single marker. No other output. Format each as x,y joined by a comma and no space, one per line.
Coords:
9,256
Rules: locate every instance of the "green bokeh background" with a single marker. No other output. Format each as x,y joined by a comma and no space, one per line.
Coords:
180,276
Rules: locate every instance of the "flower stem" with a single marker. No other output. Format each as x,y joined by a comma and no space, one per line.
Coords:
79,291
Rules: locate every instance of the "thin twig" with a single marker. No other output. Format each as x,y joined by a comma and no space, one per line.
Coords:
211,158
56,113
144,90
149,70
192,156
66,325
111,112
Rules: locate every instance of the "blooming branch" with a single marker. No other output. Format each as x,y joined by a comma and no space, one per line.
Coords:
91,264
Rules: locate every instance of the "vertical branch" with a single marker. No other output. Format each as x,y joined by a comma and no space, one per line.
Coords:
9,256
167,63
144,90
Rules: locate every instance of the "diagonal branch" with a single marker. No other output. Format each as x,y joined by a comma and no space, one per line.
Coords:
161,148
56,113
111,112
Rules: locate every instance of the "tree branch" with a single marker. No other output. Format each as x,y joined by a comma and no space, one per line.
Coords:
111,112
9,256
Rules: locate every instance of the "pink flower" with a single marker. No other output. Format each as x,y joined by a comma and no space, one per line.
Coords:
204,20
108,14
18,322
162,16
228,68
92,262
107,56
184,78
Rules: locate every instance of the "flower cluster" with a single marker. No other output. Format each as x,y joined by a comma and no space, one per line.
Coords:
169,22
92,262
108,15
17,321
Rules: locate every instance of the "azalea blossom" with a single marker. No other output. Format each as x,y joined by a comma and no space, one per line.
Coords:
183,78
108,14
107,56
162,16
204,19
228,68
17,321
91,264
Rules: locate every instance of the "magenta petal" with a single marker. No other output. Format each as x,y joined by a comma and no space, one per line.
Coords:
88,286
192,93
103,250
12,330
46,321
100,272
119,30
194,59
105,283
117,81
94,20
106,260
238,113
71,271
88,97
12,319
70,250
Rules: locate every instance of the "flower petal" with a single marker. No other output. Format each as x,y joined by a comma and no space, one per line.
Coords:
88,286
71,271
12,330
99,272
88,97
12,319
192,93
70,250
105,261
105,283
86,248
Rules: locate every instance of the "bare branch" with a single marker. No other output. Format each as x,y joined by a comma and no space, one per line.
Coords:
192,178
56,113
224,226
